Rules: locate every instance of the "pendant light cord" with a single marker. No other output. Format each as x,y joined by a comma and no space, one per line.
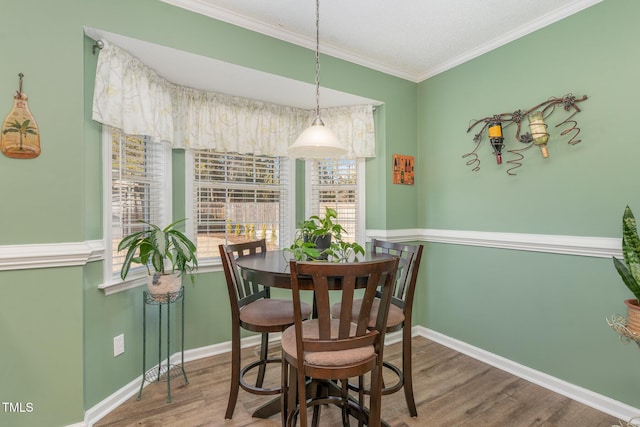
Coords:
318,60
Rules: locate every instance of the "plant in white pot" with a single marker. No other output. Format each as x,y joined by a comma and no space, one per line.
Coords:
168,251
629,270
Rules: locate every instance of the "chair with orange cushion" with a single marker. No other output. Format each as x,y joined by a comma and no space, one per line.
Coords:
400,312
253,309
327,349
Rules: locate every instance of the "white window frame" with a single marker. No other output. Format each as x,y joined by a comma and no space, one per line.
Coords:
214,264
360,236
112,282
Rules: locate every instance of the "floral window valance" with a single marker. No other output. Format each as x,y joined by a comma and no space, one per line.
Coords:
130,96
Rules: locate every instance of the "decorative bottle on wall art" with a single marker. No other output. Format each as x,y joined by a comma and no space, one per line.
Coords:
539,132
20,137
403,169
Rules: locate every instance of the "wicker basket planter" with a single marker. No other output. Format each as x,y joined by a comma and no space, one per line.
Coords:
159,285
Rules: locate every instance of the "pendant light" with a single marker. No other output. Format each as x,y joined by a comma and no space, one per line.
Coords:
317,141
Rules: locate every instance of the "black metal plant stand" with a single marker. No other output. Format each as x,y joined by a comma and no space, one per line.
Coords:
166,371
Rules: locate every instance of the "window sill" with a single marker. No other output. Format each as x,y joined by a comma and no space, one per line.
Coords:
135,282
115,287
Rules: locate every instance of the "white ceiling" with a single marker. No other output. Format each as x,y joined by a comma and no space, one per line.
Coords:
411,39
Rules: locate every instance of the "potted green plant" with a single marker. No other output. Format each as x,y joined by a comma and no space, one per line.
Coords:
165,250
317,238
629,270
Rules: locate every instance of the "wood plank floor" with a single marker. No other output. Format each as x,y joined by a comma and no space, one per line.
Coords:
451,389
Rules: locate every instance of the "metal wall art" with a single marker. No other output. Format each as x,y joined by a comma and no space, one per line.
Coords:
403,169
537,134
20,137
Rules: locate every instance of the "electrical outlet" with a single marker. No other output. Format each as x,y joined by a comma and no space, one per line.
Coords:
118,345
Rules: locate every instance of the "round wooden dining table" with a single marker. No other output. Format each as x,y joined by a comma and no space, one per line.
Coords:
274,271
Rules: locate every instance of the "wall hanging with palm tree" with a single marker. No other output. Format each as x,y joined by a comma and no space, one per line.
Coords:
20,137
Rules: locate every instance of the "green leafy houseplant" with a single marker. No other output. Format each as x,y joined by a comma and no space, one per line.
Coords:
341,251
319,227
629,270
159,248
318,238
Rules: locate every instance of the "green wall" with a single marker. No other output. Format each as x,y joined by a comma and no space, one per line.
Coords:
57,327
544,311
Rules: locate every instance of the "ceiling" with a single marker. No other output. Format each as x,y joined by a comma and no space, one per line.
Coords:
411,39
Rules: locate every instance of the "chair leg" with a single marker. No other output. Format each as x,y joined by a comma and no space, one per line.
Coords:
264,349
407,374
361,399
375,397
302,397
314,392
292,395
235,372
284,384
344,392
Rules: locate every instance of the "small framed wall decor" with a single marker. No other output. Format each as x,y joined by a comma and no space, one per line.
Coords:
403,169
20,137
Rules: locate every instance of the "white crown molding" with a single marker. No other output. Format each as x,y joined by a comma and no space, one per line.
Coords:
46,255
215,12
599,247
212,11
595,400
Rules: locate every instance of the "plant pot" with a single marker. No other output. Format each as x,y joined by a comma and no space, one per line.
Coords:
633,316
323,243
159,285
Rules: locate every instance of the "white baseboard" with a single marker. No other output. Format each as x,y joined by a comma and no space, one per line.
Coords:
97,412
597,401
103,408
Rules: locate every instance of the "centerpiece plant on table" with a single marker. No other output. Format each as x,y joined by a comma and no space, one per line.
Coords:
320,239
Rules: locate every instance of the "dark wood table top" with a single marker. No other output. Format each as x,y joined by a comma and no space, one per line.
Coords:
275,265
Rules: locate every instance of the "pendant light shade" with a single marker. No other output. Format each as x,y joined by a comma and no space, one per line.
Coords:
317,141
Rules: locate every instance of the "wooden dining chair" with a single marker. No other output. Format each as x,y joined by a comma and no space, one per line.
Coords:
253,309
327,349
400,312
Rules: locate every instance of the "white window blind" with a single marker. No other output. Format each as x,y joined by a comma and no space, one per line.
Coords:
239,197
137,191
335,183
